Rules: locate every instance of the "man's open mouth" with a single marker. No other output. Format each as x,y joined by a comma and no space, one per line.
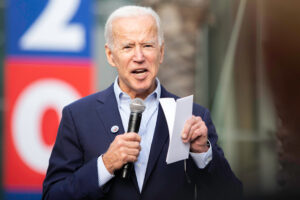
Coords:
139,71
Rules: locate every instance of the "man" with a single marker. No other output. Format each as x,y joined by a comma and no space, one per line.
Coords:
91,148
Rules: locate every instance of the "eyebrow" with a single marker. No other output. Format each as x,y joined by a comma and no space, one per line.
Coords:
126,43
131,43
149,42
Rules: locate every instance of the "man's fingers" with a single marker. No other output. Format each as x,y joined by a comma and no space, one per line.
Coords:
199,130
132,151
130,154
131,158
125,158
131,136
194,129
131,142
187,129
191,125
125,148
195,135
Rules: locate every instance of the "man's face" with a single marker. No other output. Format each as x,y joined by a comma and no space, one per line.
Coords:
136,54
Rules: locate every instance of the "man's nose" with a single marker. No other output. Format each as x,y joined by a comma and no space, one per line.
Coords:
139,54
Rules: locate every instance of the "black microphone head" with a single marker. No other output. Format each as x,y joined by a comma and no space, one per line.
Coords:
137,105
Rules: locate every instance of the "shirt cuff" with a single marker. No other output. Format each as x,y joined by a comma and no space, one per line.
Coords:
202,159
103,175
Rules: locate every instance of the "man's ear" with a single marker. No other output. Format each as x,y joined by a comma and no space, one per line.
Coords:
109,56
162,53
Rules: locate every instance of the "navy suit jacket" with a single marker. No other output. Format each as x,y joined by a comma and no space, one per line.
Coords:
85,133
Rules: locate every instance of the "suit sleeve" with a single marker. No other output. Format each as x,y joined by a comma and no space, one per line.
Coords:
216,180
68,175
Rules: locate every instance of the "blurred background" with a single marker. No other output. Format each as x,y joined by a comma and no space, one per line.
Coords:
240,58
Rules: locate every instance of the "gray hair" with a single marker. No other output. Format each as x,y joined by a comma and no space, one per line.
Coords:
131,11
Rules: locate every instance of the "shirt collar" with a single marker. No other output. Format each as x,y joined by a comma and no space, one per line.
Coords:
120,94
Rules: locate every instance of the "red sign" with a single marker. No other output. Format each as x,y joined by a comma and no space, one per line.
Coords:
35,93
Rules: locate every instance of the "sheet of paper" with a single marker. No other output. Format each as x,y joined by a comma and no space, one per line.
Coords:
169,108
176,115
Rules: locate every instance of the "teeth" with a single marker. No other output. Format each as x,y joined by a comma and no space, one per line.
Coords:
139,70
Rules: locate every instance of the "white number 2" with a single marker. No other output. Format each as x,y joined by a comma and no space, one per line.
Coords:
52,31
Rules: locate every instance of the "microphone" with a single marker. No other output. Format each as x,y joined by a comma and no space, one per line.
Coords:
137,107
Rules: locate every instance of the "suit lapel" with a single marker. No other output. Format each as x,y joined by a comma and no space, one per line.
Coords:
109,114
160,138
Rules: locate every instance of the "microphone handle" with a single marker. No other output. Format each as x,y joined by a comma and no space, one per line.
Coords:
133,126
134,122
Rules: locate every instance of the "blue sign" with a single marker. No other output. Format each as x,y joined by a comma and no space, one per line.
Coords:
55,28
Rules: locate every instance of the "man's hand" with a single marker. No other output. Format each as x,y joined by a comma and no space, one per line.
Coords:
195,132
125,148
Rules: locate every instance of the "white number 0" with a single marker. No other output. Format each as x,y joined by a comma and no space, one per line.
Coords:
52,31
27,119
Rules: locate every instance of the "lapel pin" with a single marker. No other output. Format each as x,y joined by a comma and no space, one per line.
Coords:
114,129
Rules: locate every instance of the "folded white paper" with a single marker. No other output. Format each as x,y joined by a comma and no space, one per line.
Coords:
177,113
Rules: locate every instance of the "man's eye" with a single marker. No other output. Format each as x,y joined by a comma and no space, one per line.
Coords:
148,45
127,47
